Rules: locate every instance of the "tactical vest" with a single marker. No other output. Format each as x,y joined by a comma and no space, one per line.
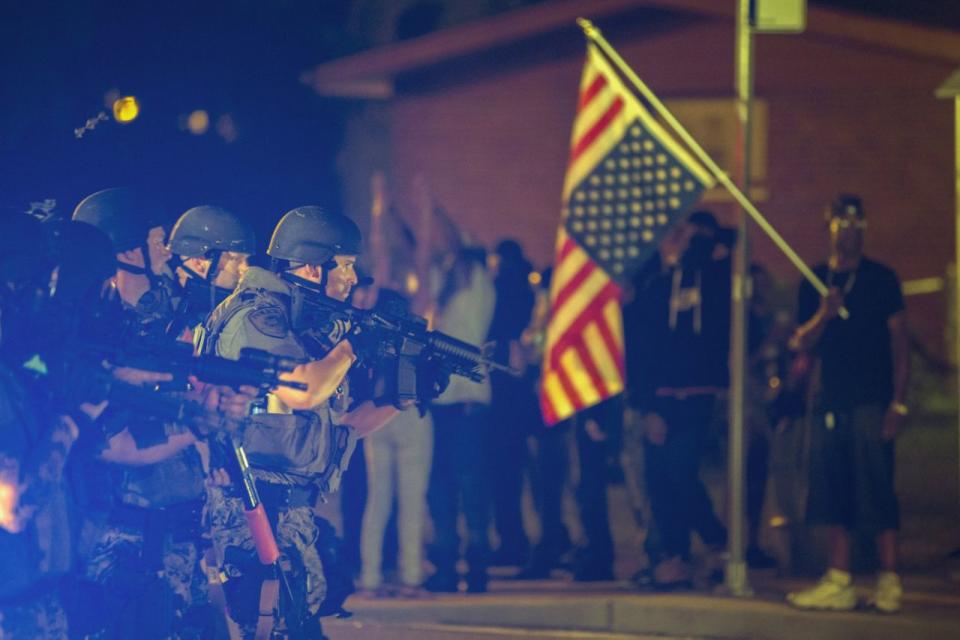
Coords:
290,447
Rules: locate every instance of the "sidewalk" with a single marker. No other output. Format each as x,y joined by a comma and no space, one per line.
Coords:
561,609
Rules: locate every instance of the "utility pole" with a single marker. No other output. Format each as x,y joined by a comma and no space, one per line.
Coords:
736,582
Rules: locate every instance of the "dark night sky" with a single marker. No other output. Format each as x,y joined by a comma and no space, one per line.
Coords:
239,57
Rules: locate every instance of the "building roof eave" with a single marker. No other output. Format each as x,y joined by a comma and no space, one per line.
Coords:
370,74
382,63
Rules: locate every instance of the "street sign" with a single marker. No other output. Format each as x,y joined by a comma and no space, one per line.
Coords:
778,16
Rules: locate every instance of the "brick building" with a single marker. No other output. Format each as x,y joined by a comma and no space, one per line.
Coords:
483,111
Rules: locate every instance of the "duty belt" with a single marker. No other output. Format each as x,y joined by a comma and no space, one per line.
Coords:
180,521
286,496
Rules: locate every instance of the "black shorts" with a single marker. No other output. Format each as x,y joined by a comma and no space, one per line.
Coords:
851,471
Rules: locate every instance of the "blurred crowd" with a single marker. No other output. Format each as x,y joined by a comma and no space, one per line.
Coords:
483,452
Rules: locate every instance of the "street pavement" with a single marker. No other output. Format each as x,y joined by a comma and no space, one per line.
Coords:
554,609
561,609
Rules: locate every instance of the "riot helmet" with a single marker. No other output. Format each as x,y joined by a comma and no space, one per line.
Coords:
205,229
129,217
124,214
214,236
313,235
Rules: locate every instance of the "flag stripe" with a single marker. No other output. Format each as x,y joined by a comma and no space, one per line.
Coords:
572,397
566,248
605,142
584,142
593,112
595,87
612,340
567,269
601,355
564,317
546,406
556,396
572,286
578,374
592,367
588,314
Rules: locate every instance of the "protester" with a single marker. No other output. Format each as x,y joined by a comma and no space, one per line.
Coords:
677,331
512,403
398,466
465,305
595,429
864,370
549,447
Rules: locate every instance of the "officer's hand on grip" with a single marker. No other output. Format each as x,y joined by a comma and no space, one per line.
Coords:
235,403
364,341
432,380
223,407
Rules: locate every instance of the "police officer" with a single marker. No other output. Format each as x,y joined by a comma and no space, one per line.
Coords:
134,223
211,246
36,432
143,519
302,441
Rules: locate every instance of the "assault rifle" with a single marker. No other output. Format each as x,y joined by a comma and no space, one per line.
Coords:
108,334
255,367
83,373
413,361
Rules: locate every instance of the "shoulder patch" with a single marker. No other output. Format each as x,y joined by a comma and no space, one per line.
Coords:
270,321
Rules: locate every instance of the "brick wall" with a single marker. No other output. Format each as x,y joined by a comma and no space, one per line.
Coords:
491,137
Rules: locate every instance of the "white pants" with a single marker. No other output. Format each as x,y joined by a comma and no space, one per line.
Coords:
398,459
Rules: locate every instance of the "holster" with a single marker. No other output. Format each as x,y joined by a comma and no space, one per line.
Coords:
181,522
276,496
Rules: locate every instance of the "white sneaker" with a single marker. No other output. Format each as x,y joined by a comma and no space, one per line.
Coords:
889,592
834,592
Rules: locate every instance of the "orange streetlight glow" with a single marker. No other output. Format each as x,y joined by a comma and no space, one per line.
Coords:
8,500
198,122
126,109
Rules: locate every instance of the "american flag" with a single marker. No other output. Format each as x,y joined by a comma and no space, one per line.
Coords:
627,181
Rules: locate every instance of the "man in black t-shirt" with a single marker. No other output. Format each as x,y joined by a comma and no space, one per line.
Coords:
864,370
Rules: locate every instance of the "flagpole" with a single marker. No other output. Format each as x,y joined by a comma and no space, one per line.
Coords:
736,582
593,33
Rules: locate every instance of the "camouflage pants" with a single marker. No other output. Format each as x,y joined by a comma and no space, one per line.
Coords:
151,600
41,618
296,534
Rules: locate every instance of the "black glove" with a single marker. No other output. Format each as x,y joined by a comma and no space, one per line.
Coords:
432,380
365,343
